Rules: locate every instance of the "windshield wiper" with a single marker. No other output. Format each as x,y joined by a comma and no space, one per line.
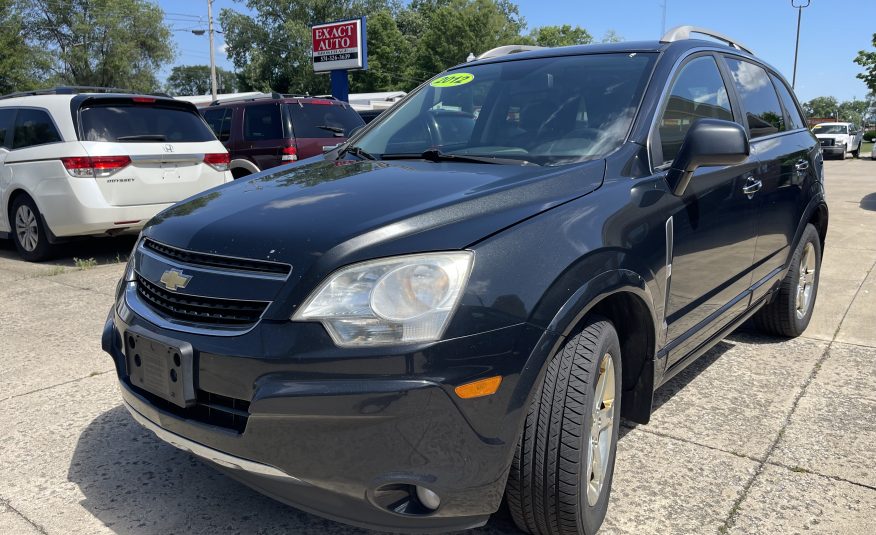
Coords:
356,151
338,131
435,155
143,137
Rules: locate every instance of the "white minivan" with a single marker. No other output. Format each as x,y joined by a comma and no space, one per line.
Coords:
81,164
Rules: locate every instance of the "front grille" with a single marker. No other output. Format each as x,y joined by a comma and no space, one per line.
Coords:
210,409
216,261
196,309
827,142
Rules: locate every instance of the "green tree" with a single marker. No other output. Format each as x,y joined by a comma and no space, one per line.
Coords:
853,111
455,28
113,43
867,59
821,107
611,36
22,66
389,58
564,35
195,80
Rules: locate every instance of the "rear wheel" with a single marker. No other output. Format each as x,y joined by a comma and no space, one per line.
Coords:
28,230
560,479
857,152
791,309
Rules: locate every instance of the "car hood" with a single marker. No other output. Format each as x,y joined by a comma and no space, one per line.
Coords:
339,211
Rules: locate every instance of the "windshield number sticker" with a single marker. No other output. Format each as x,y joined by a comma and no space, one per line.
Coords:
452,80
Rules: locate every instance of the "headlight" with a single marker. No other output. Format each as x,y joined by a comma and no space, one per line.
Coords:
395,300
129,267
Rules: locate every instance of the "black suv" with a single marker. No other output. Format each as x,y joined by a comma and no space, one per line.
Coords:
275,129
462,301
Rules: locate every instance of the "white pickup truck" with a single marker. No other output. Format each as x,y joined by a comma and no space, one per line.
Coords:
839,138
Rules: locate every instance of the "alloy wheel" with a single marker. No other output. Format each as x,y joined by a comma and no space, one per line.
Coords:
601,430
26,228
806,280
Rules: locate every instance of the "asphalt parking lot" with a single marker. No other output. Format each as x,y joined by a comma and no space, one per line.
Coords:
761,435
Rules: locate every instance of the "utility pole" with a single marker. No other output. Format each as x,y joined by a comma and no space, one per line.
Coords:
663,30
799,7
212,50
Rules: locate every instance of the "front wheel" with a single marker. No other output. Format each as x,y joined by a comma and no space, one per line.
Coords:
791,309
560,478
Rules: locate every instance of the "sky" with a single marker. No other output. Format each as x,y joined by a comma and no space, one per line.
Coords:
832,31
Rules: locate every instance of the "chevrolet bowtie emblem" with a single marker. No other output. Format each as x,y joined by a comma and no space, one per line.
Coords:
174,279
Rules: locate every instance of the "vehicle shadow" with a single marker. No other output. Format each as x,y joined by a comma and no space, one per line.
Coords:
103,250
869,202
136,484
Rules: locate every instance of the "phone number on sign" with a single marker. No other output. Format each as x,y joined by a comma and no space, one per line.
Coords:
334,57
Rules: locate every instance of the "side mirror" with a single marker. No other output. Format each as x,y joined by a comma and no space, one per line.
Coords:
707,142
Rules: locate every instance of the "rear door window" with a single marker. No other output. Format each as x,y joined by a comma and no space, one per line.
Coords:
795,118
697,93
6,117
33,127
220,122
137,123
762,109
262,122
323,120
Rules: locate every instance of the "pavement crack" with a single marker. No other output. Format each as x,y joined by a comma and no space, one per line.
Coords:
43,389
645,429
9,506
734,510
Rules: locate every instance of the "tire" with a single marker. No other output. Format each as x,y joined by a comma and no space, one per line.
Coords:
782,316
545,492
857,152
28,230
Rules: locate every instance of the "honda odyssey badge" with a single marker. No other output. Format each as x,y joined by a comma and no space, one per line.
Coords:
174,279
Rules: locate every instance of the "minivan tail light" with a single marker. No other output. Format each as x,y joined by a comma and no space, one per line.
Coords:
95,166
289,154
218,160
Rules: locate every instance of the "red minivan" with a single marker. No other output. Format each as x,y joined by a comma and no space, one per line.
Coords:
265,131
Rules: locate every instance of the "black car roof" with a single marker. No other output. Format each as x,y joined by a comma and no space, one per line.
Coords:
608,48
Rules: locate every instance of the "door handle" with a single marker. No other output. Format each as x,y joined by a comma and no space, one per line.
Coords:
752,186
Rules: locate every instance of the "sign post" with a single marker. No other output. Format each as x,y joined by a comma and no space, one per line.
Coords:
337,48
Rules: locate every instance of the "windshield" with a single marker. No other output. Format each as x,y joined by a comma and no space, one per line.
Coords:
829,129
547,111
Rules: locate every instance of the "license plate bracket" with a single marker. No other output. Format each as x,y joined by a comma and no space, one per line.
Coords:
160,365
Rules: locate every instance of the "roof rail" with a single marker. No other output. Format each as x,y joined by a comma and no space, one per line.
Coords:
680,33
67,90
272,95
506,50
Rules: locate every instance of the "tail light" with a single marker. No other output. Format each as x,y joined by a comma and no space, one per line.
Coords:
218,160
289,154
95,166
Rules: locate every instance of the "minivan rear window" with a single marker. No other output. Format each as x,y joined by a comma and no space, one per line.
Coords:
132,123
323,120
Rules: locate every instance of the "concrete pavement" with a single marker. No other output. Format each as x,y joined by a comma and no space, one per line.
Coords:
760,435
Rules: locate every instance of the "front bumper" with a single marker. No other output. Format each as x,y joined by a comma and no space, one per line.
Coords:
340,441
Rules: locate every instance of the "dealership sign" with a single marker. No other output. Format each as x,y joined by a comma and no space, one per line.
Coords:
339,45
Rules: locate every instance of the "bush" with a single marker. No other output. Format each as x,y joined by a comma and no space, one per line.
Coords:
870,136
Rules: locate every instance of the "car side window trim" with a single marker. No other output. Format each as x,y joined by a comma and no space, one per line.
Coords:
6,142
10,135
655,149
